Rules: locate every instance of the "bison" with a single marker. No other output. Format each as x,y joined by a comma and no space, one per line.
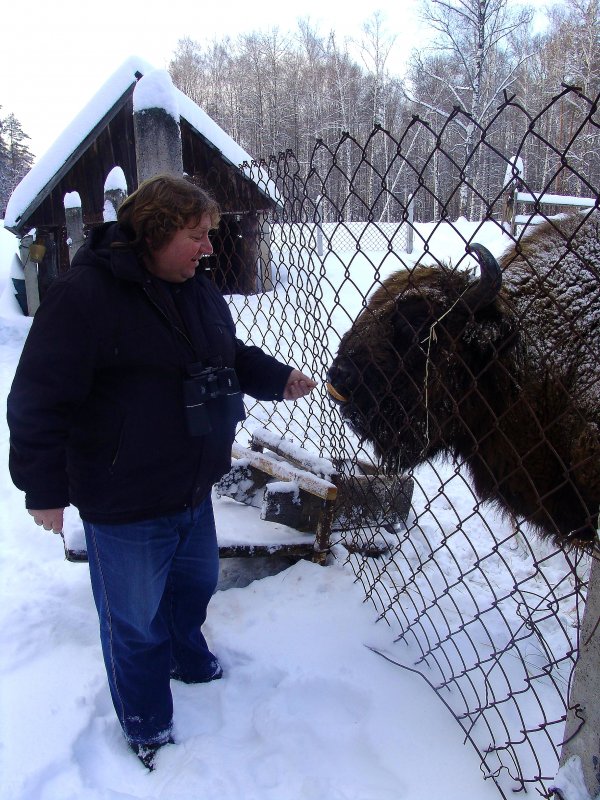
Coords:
502,373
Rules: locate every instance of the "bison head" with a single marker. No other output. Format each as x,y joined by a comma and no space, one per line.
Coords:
440,363
416,355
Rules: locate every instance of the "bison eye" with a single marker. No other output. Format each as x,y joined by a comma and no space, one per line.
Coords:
413,319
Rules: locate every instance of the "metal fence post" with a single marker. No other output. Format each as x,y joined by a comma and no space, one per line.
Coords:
410,220
582,729
319,227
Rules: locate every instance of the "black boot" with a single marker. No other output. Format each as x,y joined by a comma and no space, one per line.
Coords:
214,675
147,752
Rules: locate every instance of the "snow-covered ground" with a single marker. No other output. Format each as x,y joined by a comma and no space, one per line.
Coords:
306,710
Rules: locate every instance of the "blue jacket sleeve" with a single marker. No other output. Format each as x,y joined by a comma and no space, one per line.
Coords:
260,375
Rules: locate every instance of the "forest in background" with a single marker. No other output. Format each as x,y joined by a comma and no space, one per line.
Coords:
470,99
478,91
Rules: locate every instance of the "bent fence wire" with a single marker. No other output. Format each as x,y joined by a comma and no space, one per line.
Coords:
478,604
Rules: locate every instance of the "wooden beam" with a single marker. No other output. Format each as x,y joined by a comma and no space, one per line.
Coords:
318,466
284,472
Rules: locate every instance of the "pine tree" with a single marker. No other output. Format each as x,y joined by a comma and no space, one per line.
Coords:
15,157
19,156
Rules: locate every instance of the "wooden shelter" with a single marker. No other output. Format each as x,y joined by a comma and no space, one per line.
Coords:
102,137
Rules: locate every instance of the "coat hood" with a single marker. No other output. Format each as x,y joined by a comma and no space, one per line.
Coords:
109,247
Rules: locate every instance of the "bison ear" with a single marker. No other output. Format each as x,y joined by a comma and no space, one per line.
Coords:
492,332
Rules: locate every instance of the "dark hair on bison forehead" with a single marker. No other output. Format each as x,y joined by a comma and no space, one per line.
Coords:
501,373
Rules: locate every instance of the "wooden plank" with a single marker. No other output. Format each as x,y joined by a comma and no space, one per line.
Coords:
555,199
265,550
303,515
528,219
231,551
280,469
321,546
261,437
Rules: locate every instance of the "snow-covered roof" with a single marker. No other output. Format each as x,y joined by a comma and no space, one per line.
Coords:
60,157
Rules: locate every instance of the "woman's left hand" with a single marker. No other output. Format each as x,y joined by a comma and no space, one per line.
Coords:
298,385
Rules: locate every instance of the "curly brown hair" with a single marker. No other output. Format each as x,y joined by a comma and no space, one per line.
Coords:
161,206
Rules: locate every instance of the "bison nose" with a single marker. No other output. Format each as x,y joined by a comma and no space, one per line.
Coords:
340,380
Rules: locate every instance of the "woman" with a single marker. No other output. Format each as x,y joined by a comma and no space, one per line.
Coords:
125,403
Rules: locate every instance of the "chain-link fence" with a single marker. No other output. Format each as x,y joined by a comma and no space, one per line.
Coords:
478,603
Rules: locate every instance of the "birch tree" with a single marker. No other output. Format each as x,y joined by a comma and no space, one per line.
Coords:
567,53
375,47
474,37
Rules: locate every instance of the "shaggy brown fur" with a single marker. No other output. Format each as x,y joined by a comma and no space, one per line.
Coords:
511,389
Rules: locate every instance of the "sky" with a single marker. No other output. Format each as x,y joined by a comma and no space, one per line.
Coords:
56,55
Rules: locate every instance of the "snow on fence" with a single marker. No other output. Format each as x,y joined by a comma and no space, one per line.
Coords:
484,610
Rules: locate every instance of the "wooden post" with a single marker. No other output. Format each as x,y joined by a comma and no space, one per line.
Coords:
40,268
74,217
32,290
509,210
582,729
47,265
323,533
247,253
156,127
264,253
513,181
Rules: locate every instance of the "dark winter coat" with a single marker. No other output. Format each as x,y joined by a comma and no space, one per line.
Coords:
96,410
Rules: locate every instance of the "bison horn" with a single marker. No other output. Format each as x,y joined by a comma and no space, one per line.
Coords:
335,394
487,287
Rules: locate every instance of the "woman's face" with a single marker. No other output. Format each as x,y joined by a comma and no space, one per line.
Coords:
177,260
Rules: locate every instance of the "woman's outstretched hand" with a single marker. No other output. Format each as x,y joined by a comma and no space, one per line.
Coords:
298,385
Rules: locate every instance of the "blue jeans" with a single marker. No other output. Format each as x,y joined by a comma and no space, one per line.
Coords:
152,582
